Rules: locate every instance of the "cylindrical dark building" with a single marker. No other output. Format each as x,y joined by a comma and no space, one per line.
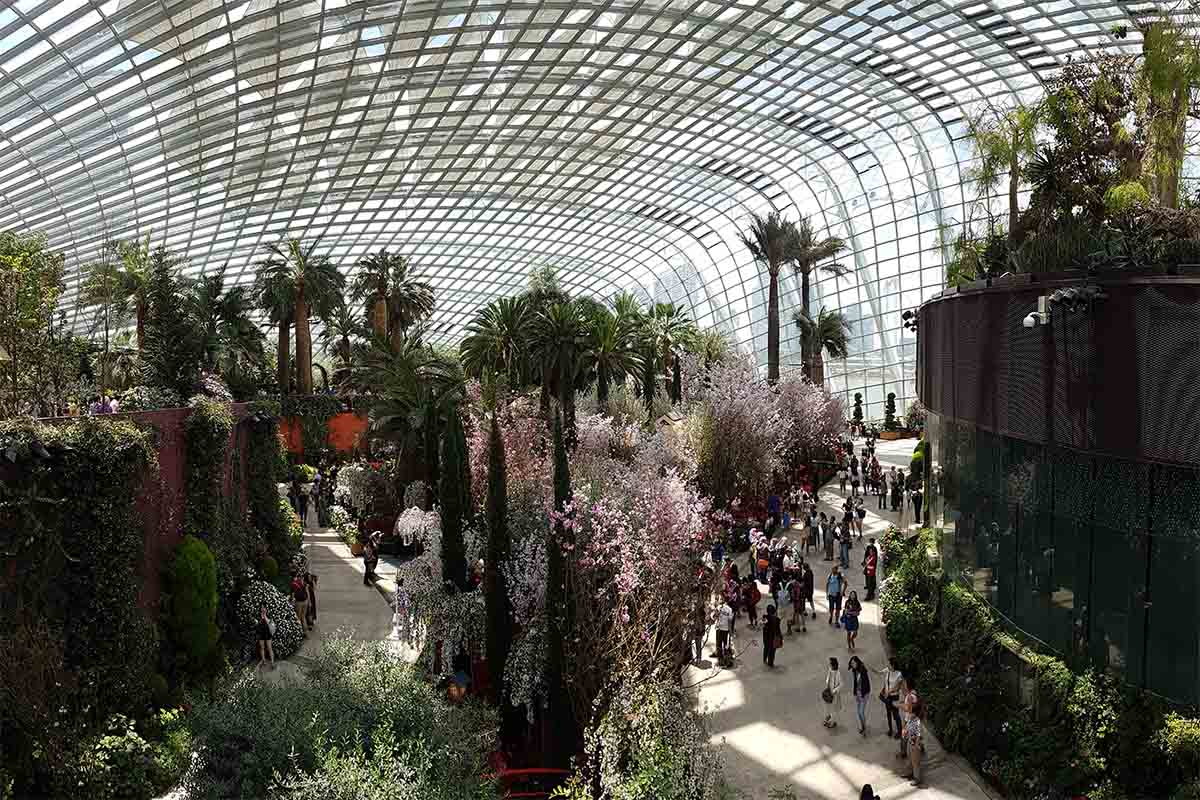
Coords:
1065,463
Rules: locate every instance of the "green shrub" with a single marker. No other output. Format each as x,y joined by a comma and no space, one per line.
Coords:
269,568
171,745
304,473
160,689
1125,197
117,765
363,724
1084,734
193,605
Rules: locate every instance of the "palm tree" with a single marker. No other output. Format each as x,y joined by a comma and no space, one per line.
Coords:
558,339
103,287
338,330
371,286
611,351
133,259
228,335
294,272
394,300
1006,141
829,332
497,341
773,242
807,253
408,300
668,330
711,345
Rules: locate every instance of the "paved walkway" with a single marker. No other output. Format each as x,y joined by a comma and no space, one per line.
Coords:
770,720
343,603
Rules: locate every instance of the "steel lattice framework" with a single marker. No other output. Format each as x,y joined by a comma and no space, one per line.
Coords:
623,141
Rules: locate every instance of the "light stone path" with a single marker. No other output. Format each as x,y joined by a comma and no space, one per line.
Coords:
769,721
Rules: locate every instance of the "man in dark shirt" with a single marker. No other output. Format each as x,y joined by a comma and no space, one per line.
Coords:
774,506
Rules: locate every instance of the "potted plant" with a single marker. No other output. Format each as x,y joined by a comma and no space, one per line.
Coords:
891,427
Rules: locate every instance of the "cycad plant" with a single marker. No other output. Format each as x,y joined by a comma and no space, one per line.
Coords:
295,277
497,341
558,342
810,254
611,351
829,332
230,339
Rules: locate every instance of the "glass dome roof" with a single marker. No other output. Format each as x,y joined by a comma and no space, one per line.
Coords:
624,142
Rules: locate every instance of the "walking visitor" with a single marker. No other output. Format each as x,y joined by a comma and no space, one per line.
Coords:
850,619
831,695
833,596
772,637
893,685
861,686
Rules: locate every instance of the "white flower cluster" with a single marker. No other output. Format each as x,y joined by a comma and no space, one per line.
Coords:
357,485
453,618
416,494
288,634
415,525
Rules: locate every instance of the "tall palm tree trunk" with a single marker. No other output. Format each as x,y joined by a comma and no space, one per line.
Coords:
139,311
304,381
1014,181
379,316
284,356
818,376
773,326
602,382
805,345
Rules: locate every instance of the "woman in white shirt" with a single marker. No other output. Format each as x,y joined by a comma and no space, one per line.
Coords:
831,695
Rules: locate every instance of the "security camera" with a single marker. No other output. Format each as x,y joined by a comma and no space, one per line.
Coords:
1034,319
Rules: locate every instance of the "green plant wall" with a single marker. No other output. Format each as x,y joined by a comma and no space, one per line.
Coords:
71,630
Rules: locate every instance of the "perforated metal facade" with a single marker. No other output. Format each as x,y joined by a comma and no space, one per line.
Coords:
1066,470
624,142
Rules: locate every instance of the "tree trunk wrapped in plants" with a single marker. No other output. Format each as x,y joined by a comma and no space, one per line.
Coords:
565,732
499,610
455,494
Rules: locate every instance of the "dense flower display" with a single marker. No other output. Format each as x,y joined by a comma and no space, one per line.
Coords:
358,485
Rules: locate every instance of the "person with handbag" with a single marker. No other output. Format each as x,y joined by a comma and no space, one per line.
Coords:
889,695
772,637
831,695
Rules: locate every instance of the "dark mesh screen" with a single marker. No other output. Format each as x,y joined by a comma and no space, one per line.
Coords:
1069,481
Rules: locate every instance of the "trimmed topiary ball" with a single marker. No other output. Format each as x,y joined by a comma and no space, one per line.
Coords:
288,633
269,568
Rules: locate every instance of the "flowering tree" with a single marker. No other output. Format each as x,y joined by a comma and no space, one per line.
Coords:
358,484
735,427
812,418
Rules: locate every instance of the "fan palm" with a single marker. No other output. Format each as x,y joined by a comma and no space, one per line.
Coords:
807,253
668,329
133,269
611,351
830,333
339,328
227,333
293,273
773,241
497,340
370,285
408,300
558,339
